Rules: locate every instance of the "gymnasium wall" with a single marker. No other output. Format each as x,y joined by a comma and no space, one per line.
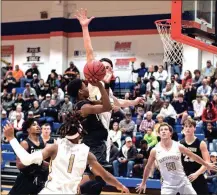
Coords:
30,10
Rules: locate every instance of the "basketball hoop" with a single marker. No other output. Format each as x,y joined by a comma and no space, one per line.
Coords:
173,50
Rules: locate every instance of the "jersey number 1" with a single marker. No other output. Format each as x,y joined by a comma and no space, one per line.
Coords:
71,162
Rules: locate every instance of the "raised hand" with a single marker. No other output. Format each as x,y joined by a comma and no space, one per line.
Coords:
81,15
9,131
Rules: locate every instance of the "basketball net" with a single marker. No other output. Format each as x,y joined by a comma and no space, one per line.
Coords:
173,50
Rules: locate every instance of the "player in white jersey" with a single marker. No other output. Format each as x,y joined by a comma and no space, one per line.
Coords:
94,92
68,160
167,153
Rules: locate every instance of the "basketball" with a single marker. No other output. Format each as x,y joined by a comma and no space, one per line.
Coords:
94,70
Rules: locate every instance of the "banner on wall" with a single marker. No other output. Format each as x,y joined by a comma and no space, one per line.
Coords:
124,63
7,54
33,56
123,49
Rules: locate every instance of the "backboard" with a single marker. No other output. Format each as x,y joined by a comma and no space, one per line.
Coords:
194,23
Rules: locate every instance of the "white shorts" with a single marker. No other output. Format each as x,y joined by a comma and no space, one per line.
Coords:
184,188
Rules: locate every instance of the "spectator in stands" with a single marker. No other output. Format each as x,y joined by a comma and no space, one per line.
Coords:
72,72
4,119
149,99
4,69
127,125
50,114
62,82
153,85
18,74
126,156
174,82
45,103
214,101
209,115
210,133
204,90
117,114
59,92
115,135
113,153
14,94
162,77
208,70
140,113
167,92
29,102
45,90
4,95
150,137
198,107
27,91
141,71
9,82
19,101
150,73
13,114
169,113
190,95
187,78
36,110
7,104
18,125
29,75
9,70
35,81
53,80
160,120
65,108
181,108
46,134
141,159
214,88
146,123
178,89
212,176
197,80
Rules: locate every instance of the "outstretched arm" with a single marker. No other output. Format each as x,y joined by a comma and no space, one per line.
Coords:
126,103
27,159
196,158
81,15
106,176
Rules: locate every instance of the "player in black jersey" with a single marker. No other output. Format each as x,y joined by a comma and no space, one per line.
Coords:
31,179
193,170
96,133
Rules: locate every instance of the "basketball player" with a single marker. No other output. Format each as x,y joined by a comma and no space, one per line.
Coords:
167,153
31,178
68,160
193,170
105,117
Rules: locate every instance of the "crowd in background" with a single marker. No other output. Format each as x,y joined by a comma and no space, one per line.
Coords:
167,99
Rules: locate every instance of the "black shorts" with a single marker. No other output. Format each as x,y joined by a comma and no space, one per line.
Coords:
99,150
25,185
200,185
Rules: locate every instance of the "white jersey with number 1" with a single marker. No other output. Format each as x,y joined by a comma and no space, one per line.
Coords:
67,168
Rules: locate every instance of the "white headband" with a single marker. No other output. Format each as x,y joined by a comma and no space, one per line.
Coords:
72,136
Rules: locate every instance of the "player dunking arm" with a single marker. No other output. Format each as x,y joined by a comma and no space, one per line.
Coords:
68,160
105,117
193,170
81,15
168,155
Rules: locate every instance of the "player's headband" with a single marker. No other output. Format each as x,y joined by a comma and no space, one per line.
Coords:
72,136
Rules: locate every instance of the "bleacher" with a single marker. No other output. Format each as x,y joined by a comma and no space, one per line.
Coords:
10,172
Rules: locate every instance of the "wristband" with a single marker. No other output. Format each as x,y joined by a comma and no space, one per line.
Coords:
107,85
